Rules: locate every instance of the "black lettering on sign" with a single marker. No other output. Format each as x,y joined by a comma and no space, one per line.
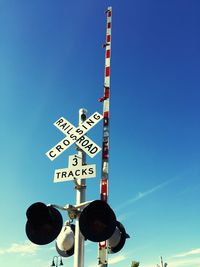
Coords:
89,147
64,174
77,172
66,127
52,155
69,131
70,174
85,142
79,131
59,121
66,142
84,171
89,122
84,127
63,125
91,171
96,116
93,150
81,139
73,137
75,161
58,174
59,148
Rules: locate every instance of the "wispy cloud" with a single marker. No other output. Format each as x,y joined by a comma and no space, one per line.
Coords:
189,258
116,259
185,262
22,248
188,253
144,194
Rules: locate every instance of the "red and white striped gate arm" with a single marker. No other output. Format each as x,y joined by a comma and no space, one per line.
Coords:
102,253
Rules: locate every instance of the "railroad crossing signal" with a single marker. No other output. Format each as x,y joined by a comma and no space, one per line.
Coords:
97,223
76,135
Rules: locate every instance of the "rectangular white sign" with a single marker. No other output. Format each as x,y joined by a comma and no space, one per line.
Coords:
74,136
84,142
68,174
75,161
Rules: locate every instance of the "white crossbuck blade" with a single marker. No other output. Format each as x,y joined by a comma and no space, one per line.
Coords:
76,135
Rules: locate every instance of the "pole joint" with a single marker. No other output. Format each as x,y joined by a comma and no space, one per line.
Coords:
78,186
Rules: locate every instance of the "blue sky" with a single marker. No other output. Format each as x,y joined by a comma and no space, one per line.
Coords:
52,64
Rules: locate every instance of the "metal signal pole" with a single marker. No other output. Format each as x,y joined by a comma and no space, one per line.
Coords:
80,198
102,246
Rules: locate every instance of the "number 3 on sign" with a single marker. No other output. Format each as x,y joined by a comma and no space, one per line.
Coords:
74,161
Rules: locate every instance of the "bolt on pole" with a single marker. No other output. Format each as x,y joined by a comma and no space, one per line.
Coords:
80,198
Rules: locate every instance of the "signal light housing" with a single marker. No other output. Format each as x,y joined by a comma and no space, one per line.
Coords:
118,239
44,223
65,241
97,221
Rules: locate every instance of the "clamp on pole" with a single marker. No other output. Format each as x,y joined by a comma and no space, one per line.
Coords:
77,185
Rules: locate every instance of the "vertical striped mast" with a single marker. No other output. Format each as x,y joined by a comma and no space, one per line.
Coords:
102,250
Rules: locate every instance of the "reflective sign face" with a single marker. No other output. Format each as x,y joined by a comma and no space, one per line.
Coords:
76,135
75,170
68,174
74,161
84,142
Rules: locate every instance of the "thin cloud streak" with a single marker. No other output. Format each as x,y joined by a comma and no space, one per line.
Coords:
194,262
116,259
190,258
188,253
185,262
22,249
142,195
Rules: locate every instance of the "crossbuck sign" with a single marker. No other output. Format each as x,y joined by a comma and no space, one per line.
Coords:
76,135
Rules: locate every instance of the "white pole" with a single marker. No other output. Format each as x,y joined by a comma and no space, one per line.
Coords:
102,246
80,198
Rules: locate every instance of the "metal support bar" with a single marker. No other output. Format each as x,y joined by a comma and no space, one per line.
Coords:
80,199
